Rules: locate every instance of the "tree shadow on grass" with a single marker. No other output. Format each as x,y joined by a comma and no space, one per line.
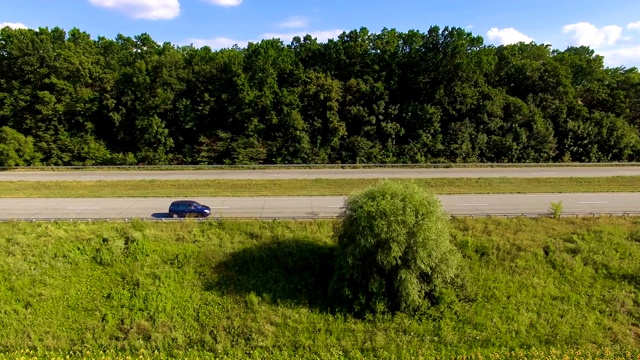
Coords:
292,270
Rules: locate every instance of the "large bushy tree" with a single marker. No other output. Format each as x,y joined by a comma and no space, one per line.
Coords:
394,251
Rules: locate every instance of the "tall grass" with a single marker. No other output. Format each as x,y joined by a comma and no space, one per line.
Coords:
307,187
246,289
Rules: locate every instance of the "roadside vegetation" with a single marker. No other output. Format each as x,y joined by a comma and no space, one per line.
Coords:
239,289
310,187
119,168
436,95
394,253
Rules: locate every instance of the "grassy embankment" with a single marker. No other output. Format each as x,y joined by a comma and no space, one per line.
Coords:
311,187
257,289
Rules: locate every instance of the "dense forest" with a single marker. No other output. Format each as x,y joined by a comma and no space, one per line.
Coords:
389,97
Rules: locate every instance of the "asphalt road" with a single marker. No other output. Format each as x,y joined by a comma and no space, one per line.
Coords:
306,207
273,174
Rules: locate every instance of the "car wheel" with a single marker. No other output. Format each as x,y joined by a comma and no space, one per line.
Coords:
175,216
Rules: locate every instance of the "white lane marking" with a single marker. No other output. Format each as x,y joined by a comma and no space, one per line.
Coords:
593,202
84,208
473,204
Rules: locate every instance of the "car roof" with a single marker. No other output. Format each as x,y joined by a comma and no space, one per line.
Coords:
183,202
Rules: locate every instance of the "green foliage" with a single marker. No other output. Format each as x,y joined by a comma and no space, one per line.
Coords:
394,251
556,209
250,289
16,149
411,97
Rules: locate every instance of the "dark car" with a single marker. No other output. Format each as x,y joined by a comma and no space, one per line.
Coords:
188,208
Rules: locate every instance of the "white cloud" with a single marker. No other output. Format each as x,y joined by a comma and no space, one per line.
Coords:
507,36
627,57
142,9
585,34
635,25
218,42
225,3
295,22
13,25
322,36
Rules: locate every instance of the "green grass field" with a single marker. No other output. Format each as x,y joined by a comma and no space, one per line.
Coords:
249,289
315,187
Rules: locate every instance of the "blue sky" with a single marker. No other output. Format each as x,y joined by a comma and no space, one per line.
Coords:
611,27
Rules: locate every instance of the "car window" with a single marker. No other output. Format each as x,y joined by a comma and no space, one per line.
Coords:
185,206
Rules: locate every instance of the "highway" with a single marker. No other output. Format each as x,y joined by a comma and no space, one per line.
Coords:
309,207
277,174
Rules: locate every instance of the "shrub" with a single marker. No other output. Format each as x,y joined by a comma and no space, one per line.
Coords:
17,149
556,209
394,251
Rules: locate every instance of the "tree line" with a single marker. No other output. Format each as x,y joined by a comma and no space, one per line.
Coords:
389,97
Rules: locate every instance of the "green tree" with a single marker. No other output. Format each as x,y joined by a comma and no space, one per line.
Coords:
369,118
320,102
17,149
422,140
438,96
215,103
394,251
